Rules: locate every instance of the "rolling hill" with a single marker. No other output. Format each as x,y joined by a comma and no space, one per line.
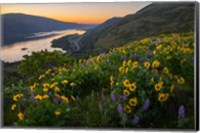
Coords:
17,26
156,18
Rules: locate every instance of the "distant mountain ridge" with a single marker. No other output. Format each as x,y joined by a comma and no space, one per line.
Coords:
17,26
156,18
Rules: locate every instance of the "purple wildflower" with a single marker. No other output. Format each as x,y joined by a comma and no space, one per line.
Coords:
146,105
113,97
119,97
58,100
123,58
103,97
119,108
124,97
100,106
32,96
181,112
143,59
136,120
49,93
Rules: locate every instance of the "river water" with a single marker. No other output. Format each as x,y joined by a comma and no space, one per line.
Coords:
14,51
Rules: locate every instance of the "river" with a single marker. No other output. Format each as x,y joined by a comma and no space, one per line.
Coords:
14,52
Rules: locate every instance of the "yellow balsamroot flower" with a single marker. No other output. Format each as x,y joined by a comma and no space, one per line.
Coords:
127,109
124,63
57,113
20,116
171,88
45,96
158,47
126,92
65,99
158,87
161,83
38,97
154,52
181,80
166,70
129,62
64,81
133,102
162,97
152,79
72,84
135,64
155,64
132,87
126,83
111,81
57,89
121,70
73,98
146,65
46,85
126,70
45,90
13,107
17,96
41,76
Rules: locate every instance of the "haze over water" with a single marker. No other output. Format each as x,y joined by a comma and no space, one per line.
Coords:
14,52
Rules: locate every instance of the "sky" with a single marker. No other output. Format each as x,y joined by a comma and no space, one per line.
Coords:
86,13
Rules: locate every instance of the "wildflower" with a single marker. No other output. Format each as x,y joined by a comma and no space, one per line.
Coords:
64,81
73,98
154,52
15,98
165,70
38,97
171,88
146,65
136,120
152,79
135,64
123,58
113,97
119,108
126,70
57,113
146,105
181,80
129,62
158,47
124,63
45,90
45,96
127,109
126,83
72,84
162,97
57,89
181,112
121,70
13,107
65,99
132,87
103,97
20,116
133,102
46,85
124,97
111,81
100,106
32,96
155,64
158,87
126,92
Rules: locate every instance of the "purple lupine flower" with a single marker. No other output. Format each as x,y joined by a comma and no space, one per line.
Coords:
103,97
146,105
57,100
49,93
136,120
123,58
113,97
181,112
143,59
32,96
100,106
124,97
119,108
119,97
149,52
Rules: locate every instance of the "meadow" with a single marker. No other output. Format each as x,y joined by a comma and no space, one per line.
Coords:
147,83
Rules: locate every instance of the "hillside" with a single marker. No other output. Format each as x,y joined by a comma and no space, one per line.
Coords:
156,18
137,85
18,26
